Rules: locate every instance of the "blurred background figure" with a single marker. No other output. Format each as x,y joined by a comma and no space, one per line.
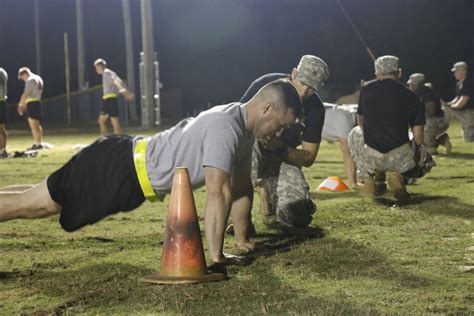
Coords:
436,124
462,106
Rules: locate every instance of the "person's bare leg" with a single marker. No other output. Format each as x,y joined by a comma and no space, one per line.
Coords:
16,188
116,125
349,164
3,137
33,203
36,130
103,123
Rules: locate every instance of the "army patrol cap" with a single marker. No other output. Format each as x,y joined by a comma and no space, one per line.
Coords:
416,78
459,65
386,64
312,71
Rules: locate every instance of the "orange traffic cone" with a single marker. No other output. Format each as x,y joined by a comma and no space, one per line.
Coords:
333,184
182,259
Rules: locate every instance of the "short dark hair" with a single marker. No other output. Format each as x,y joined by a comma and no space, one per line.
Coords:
287,95
100,62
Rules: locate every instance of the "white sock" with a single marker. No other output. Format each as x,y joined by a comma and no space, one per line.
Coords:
2,150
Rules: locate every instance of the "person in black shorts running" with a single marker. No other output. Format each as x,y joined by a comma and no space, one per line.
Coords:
112,87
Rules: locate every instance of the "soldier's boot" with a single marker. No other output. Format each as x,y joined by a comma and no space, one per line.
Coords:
368,188
396,183
266,206
446,143
432,150
380,185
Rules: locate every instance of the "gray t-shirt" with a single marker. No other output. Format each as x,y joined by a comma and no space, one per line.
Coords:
216,138
339,121
108,79
34,86
3,84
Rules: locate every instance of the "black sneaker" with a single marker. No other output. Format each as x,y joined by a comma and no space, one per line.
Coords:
4,155
35,147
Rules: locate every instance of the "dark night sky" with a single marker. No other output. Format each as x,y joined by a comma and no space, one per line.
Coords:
213,49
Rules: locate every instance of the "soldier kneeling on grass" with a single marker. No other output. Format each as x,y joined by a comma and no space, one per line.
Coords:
380,143
435,133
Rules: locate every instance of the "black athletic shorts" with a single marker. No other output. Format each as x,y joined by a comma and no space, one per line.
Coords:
3,112
110,107
97,182
34,110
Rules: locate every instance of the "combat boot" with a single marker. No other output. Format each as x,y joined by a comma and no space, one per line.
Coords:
368,188
266,205
432,151
446,143
396,183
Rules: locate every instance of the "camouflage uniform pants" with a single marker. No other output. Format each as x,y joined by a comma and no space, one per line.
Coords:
287,186
434,128
369,160
466,117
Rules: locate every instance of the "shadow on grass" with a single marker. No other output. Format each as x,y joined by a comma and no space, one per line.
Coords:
433,204
339,259
321,196
114,288
465,156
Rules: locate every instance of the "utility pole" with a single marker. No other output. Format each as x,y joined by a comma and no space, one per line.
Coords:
37,38
68,78
148,110
80,45
127,25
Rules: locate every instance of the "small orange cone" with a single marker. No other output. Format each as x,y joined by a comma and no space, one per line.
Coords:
333,184
182,259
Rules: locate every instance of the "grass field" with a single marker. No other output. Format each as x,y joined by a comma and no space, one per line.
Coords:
364,256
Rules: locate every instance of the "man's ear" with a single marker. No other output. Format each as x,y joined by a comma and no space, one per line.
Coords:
294,73
268,107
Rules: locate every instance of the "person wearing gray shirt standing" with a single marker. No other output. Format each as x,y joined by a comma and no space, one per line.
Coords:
118,172
3,113
30,103
112,86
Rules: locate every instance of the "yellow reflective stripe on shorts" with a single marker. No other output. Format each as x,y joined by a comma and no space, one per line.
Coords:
109,96
139,158
29,100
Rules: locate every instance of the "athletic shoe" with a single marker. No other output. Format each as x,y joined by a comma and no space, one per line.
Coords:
3,155
35,147
396,183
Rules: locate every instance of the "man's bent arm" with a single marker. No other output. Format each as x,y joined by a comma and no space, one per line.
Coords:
219,200
360,120
418,135
303,157
461,102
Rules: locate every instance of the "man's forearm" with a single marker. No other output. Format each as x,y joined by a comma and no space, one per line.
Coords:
299,157
217,212
241,213
23,98
418,134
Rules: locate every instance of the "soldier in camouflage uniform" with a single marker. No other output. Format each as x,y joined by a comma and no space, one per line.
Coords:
436,124
277,162
462,106
380,143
